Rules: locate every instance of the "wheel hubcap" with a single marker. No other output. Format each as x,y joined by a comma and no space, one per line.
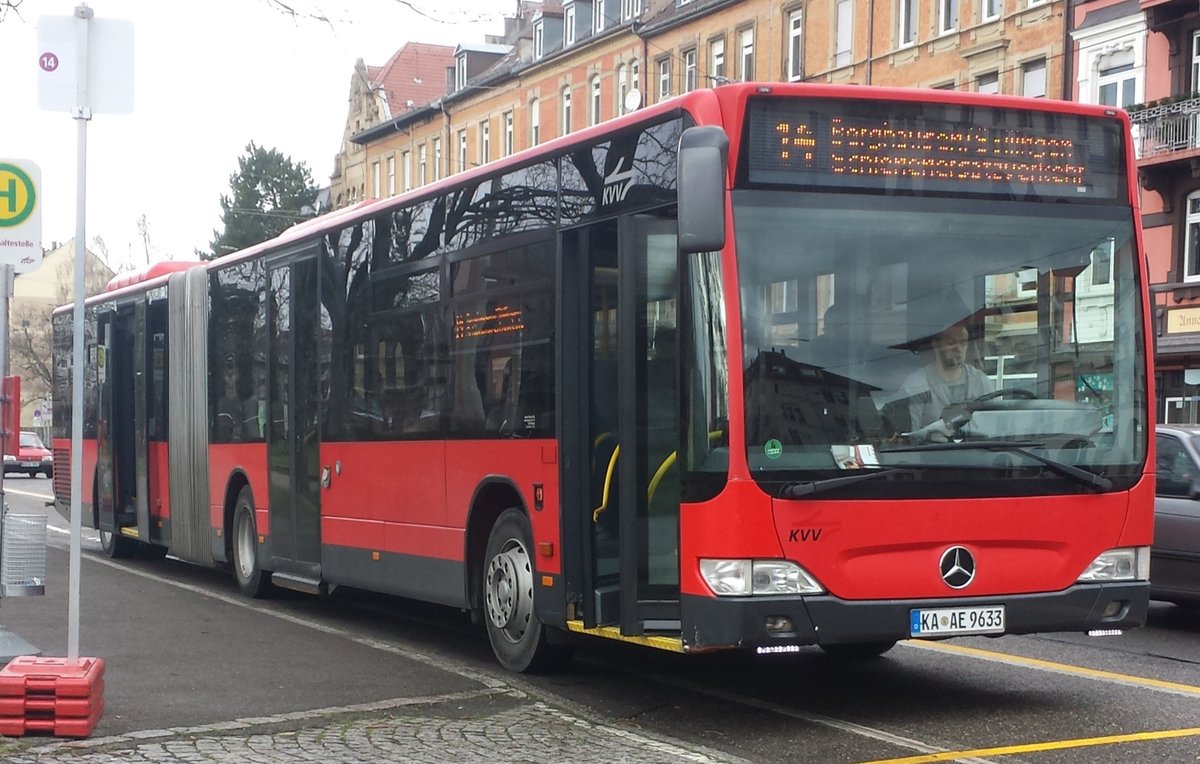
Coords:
245,547
509,591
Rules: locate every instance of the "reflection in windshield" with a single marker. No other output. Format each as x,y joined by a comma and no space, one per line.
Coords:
872,323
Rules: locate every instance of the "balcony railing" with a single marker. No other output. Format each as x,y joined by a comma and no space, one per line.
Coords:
1165,129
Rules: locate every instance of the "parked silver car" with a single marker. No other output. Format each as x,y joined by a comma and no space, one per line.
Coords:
1175,556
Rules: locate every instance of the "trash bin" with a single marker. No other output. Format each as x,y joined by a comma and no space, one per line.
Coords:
22,555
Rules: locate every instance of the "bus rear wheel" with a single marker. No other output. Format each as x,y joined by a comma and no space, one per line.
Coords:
116,546
518,637
252,580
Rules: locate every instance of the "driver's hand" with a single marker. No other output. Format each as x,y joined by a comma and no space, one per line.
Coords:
937,430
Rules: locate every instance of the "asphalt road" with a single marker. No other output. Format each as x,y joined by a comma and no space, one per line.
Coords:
194,671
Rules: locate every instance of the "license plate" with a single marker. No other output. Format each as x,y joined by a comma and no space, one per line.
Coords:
31,464
950,621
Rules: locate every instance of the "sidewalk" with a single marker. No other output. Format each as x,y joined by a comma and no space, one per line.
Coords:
194,672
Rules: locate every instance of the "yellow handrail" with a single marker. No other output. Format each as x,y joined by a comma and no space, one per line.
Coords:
612,465
659,474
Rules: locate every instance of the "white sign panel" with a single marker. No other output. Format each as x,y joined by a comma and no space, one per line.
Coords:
109,65
20,214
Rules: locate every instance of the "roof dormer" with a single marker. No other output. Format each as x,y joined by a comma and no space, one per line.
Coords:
606,14
577,21
472,60
547,32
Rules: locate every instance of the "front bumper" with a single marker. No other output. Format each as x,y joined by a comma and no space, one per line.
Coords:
713,622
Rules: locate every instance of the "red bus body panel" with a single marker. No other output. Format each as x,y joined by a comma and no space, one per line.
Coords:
225,461
413,497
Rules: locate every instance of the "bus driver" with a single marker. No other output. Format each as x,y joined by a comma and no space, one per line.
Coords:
945,381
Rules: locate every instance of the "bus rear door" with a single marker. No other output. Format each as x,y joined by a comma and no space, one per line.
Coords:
121,470
293,443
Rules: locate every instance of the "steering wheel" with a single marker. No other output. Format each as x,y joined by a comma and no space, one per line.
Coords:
1015,392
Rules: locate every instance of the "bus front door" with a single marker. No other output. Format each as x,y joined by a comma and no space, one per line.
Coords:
293,378
624,273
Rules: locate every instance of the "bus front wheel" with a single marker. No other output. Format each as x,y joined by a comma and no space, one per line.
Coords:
252,580
518,637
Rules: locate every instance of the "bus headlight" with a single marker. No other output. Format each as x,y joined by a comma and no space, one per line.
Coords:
1126,564
744,578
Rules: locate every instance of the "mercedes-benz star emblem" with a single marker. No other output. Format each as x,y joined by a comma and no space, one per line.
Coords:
958,567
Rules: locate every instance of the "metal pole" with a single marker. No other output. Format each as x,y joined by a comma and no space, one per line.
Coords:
6,276
83,113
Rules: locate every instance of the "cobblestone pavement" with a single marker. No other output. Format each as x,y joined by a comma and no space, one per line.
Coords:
489,725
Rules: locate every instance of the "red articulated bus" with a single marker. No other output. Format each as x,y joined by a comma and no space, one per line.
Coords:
762,366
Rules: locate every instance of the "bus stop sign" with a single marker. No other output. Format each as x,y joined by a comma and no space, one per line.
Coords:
20,215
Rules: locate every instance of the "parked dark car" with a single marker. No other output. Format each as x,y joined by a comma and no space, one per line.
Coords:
1175,556
32,459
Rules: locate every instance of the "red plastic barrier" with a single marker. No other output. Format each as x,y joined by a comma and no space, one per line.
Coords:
53,695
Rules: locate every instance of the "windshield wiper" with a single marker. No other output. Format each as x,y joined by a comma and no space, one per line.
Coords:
1022,448
798,489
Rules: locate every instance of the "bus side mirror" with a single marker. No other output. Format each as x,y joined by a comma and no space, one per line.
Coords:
703,152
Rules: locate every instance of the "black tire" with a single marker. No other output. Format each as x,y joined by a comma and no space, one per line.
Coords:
253,581
858,650
518,637
116,546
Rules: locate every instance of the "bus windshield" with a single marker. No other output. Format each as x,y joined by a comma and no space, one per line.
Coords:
984,342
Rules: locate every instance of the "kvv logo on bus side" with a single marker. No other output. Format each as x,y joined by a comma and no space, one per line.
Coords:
617,183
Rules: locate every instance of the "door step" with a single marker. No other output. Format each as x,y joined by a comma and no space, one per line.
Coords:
299,583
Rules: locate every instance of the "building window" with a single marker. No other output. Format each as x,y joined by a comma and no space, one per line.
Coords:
535,122
1033,79
460,72
635,79
566,111
509,138
907,15
631,9
689,70
570,22
988,83
437,158
1116,78
746,60
1032,3
598,16
947,16
1195,61
462,150
539,39
1191,253
664,78
845,33
594,103
485,141
795,43
989,10
716,61
422,166
1101,265
622,87
391,176
406,169
375,180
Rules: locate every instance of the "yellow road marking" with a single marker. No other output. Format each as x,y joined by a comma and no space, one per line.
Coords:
1062,668
1054,745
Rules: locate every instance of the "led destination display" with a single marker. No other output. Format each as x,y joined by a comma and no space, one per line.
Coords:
941,148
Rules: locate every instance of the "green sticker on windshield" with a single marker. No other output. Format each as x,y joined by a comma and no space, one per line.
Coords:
773,449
